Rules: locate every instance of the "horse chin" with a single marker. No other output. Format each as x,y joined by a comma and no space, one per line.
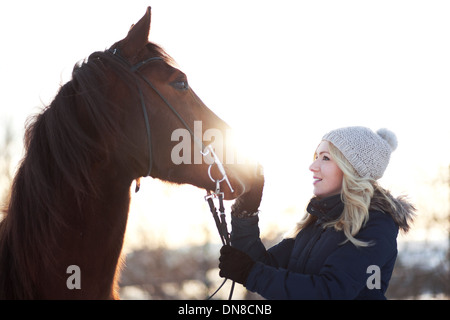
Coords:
239,187
237,191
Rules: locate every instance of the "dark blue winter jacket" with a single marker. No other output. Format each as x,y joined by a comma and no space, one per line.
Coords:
319,263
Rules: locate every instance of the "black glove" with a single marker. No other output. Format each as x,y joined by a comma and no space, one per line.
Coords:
248,203
235,264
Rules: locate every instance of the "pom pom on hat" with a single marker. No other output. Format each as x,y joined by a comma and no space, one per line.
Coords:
368,152
389,137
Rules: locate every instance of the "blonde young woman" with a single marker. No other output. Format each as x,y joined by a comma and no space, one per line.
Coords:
345,247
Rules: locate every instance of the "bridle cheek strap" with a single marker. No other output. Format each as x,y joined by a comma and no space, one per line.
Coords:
149,135
115,52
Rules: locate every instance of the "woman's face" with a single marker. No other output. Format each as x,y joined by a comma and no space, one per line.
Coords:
326,174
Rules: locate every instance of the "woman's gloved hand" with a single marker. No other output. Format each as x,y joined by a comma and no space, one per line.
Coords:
235,264
248,203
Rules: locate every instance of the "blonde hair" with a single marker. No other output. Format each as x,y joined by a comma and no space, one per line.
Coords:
356,194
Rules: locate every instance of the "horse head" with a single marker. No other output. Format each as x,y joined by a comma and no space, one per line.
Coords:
171,146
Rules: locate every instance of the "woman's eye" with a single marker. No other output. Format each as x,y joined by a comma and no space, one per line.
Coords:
180,84
325,158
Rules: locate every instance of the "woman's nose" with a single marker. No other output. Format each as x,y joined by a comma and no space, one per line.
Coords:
313,167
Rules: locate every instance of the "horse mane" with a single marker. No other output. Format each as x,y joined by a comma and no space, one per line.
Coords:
79,130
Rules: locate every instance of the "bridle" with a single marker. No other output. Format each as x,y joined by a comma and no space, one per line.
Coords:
221,223
205,150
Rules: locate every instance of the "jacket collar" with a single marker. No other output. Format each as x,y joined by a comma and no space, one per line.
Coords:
327,209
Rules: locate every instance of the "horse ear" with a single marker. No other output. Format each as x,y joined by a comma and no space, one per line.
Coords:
137,36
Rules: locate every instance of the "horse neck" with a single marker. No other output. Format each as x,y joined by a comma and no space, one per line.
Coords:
101,239
89,236
95,245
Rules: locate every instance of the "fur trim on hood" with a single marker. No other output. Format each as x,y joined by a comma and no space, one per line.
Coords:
401,210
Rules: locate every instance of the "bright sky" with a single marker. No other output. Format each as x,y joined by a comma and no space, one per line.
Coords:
282,73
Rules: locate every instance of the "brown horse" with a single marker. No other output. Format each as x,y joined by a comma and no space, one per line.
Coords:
109,125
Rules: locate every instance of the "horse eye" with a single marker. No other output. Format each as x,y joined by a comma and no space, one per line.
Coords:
180,84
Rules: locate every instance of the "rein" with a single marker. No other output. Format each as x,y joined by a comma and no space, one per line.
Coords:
221,223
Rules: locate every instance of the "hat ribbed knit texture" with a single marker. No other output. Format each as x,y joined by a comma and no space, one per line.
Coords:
368,152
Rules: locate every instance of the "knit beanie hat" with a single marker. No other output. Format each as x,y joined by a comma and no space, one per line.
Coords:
368,152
